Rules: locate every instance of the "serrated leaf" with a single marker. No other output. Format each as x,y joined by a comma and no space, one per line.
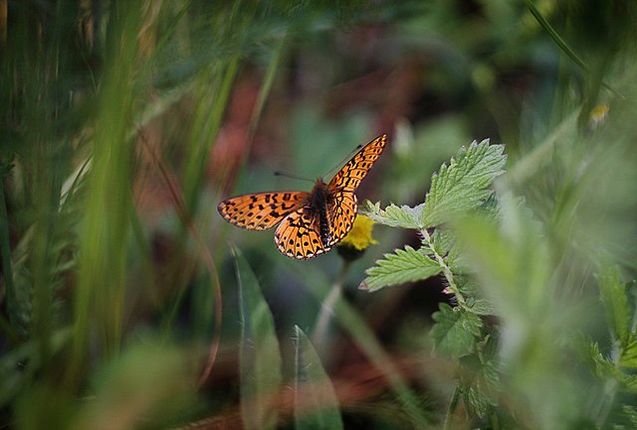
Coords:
406,265
615,300
444,243
603,367
464,183
259,357
481,306
477,403
394,216
628,381
630,412
628,357
315,402
455,331
479,383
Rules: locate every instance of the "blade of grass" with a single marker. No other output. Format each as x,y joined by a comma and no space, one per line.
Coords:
207,123
315,403
206,256
527,166
260,360
7,269
101,278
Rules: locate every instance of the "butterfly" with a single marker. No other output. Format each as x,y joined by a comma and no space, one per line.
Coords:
309,224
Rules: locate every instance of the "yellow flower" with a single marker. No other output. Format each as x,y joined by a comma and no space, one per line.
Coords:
360,236
598,115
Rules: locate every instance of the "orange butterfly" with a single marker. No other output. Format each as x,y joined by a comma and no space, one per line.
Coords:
309,223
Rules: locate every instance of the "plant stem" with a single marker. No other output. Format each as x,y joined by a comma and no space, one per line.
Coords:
5,251
446,271
324,318
453,403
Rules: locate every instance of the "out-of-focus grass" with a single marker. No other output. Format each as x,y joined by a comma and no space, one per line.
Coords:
109,294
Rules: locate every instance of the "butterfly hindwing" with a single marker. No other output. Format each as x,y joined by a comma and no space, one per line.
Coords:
352,173
341,214
261,211
298,236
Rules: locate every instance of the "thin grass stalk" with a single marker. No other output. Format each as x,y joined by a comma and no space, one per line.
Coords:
5,254
208,122
266,87
562,44
102,264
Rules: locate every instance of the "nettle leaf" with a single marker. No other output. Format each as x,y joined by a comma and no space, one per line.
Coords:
628,357
602,367
481,306
605,369
475,301
406,265
630,413
463,184
615,300
394,216
456,331
444,243
479,382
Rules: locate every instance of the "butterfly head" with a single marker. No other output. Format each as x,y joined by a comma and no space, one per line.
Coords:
320,194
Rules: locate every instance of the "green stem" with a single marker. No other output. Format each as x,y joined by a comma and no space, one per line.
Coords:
562,44
5,250
446,270
353,323
321,328
453,404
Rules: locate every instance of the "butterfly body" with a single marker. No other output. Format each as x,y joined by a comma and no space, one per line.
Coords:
309,224
318,201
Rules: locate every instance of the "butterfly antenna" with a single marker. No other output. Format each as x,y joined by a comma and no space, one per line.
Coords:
287,175
340,163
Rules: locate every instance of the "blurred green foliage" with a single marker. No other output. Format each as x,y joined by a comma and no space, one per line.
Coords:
124,122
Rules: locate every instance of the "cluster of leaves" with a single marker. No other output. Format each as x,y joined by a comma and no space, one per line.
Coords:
616,365
495,260
462,186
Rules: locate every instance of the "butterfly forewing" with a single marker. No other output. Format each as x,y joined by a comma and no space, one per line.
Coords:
261,211
298,236
352,173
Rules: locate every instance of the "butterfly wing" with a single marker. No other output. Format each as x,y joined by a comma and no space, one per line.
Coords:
341,214
350,176
299,236
261,211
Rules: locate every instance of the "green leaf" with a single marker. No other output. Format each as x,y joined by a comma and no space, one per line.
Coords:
259,357
406,265
481,306
628,357
463,184
630,413
615,299
394,216
481,393
455,331
602,367
315,403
